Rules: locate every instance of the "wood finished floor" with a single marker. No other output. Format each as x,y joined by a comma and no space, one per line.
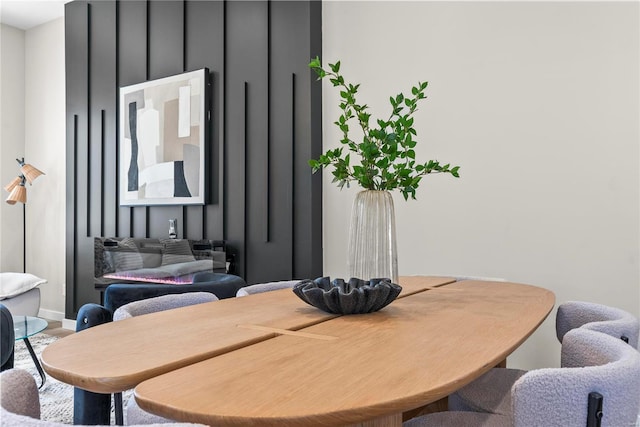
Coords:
55,328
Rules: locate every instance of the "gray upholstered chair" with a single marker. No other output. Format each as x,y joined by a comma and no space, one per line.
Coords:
265,287
597,317
7,338
594,364
20,402
94,407
491,392
135,415
162,303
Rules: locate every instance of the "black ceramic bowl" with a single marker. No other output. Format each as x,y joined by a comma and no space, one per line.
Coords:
356,296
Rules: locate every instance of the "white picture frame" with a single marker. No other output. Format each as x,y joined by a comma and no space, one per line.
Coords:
163,132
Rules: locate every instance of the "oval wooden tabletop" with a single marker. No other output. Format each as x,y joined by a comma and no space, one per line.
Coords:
357,368
116,356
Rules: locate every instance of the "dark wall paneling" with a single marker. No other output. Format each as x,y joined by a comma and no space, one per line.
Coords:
108,221
291,55
247,55
132,69
265,124
102,105
71,213
292,175
235,134
139,219
77,49
166,35
204,47
285,53
308,196
266,179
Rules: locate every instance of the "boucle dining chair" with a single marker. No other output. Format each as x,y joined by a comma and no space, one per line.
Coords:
597,317
20,403
266,287
597,367
162,303
491,392
96,406
148,306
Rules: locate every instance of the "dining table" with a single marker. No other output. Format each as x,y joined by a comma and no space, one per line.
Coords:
272,360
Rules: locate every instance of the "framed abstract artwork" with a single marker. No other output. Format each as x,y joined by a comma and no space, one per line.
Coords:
162,141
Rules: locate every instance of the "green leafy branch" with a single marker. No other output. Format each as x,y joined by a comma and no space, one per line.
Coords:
387,151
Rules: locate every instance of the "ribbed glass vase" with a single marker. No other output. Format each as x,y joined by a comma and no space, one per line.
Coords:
372,237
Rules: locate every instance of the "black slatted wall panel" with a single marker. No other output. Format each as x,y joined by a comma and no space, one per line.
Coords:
76,52
204,47
247,139
265,124
132,69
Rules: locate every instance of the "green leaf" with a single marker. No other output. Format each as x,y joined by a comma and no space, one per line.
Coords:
385,155
382,163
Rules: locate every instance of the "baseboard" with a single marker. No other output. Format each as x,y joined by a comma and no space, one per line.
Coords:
50,314
69,324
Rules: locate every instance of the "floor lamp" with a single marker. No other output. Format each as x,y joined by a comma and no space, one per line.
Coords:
18,193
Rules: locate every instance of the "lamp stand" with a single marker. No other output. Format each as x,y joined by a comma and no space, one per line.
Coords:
24,237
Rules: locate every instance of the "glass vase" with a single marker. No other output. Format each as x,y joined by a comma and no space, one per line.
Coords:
372,237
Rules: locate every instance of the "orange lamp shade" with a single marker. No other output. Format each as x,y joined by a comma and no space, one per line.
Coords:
18,194
10,186
30,172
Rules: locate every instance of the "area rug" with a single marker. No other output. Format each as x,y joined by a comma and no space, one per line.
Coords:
56,398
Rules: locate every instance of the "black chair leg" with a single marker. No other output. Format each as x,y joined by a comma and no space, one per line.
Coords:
594,410
117,403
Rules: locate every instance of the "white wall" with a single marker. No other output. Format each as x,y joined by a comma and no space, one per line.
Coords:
33,126
45,148
11,142
539,104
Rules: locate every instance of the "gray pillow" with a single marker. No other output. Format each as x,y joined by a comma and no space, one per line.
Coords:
126,255
176,251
